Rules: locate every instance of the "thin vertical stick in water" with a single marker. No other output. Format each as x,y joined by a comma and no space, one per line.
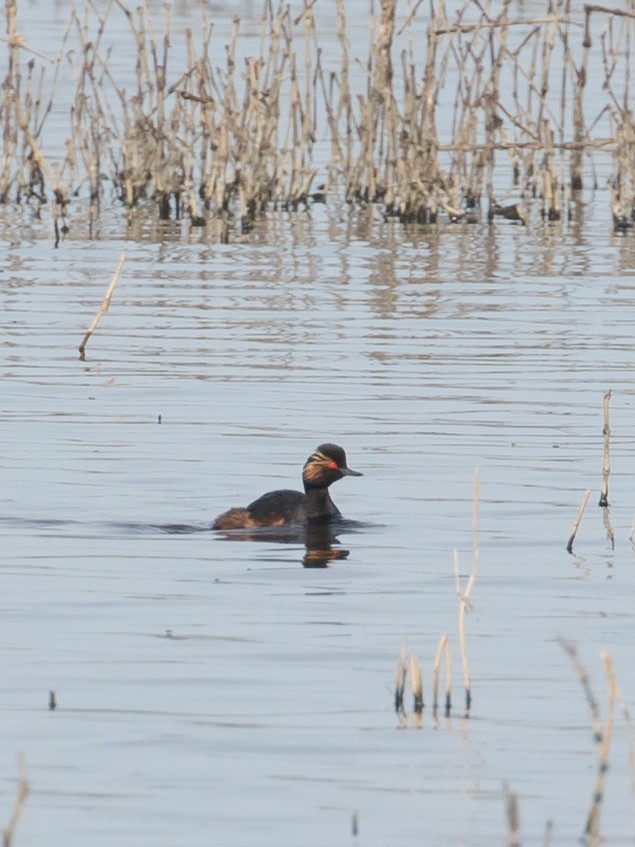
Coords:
448,679
606,464
417,692
463,603
417,684
18,807
400,678
443,650
578,518
606,470
512,817
104,305
603,739
464,597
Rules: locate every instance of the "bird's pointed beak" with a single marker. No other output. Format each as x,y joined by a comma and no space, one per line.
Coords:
349,472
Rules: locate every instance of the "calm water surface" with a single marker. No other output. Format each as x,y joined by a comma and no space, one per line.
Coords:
213,690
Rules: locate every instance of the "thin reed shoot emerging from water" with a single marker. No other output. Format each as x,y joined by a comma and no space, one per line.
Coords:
443,654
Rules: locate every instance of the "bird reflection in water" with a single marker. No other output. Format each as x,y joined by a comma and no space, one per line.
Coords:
319,539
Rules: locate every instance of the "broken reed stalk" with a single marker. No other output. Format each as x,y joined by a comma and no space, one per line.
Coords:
105,304
22,793
578,518
443,652
606,463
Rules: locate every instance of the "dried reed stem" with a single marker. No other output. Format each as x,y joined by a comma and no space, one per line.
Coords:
443,652
105,305
18,807
416,681
464,596
580,75
400,678
578,518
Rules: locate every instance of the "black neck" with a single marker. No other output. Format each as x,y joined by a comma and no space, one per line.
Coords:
319,503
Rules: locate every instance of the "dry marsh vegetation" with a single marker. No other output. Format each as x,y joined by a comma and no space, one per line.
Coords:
461,115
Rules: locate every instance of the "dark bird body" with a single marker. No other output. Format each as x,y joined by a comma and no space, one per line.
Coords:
285,506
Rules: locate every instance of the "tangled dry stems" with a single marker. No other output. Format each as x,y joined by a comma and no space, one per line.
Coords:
230,140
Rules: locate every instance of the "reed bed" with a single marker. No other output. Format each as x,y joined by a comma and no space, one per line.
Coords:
472,116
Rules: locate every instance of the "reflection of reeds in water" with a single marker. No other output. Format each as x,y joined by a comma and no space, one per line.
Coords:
602,735
606,458
226,142
512,817
606,471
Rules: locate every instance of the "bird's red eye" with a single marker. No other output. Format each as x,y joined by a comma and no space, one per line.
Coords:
333,465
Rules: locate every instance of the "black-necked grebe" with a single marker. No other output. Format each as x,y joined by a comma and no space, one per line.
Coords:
323,467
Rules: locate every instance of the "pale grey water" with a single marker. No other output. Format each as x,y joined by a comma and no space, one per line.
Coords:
213,691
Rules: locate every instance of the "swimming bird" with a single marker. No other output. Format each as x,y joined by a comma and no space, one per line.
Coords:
324,466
